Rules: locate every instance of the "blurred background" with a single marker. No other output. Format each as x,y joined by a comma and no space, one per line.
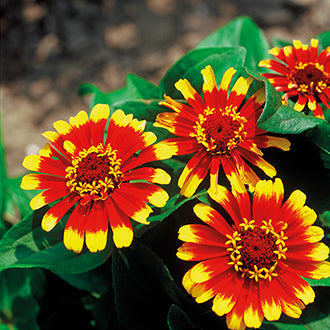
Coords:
49,47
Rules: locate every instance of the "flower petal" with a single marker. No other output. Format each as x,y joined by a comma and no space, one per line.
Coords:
154,152
98,119
207,269
301,288
210,91
96,227
270,300
33,181
253,315
239,91
196,176
211,217
150,174
196,252
225,198
57,212
46,197
190,94
224,86
122,232
201,234
228,290
73,237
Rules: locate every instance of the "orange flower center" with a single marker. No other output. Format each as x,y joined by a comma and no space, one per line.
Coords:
220,131
94,173
309,78
256,250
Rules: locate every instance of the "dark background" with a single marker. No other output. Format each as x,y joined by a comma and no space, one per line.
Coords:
49,47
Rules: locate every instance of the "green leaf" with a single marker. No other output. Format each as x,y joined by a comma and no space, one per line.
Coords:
177,319
314,317
320,135
141,89
190,66
281,43
18,305
95,280
324,39
17,200
26,245
321,282
136,88
279,118
141,283
241,31
286,120
325,220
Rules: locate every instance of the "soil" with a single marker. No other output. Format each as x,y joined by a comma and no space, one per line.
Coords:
49,47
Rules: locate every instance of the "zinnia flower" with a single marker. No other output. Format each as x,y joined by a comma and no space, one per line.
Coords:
220,130
303,75
252,265
98,176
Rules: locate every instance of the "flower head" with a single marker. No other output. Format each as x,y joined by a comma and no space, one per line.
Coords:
97,176
303,75
252,265
220,130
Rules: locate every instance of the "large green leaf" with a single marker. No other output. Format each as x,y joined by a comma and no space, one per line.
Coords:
190,65
143,288
136,88
27,245
18,304
241,31
279,118
286,120
314,317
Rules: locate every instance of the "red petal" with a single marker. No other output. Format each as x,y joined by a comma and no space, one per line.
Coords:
120,224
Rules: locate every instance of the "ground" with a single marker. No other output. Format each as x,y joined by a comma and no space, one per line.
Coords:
49,47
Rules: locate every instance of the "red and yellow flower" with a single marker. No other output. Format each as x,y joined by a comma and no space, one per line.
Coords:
302,74
252,265
220,130
99,176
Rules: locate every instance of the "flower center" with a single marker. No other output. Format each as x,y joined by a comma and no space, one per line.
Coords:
309,78
94,173
220,131
255,251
